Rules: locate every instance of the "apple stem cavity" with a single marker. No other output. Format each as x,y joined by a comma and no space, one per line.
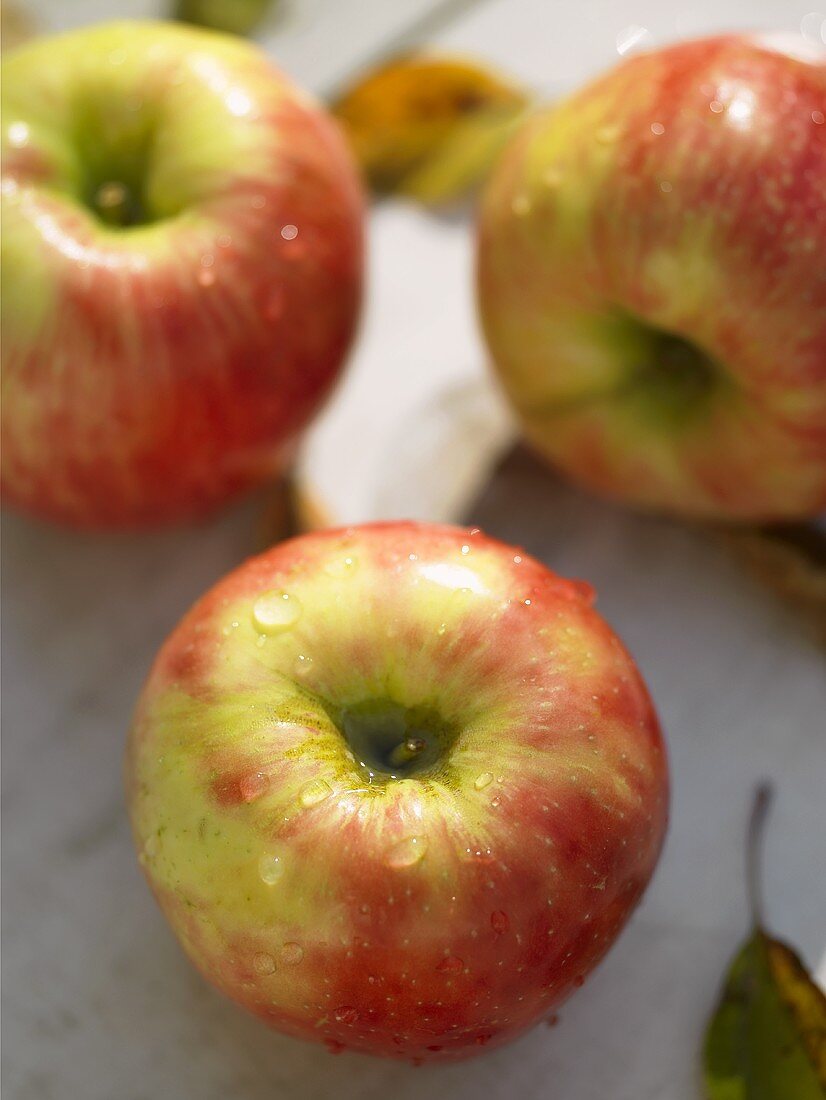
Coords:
754,847
391,741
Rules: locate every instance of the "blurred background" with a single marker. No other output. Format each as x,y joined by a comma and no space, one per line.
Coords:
99,1000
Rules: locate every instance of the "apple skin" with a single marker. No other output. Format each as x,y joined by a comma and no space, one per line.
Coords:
153,371
428,916
682,193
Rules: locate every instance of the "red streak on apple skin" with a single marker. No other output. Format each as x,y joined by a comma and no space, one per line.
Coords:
176,373
526,878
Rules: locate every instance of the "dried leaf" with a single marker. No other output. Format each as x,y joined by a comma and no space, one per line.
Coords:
232,16
458,165
791,559
767,1037
401,115
16,26
804,1000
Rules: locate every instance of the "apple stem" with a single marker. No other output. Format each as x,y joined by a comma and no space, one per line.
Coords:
112,203
408,750
754,847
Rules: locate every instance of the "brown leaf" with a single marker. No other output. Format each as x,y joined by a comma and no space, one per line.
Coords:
791,559
804,1001
402,114
457,166
16,25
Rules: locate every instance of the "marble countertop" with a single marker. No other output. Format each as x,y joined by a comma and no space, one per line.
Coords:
99,1000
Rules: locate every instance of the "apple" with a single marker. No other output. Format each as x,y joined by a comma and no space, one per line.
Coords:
652,283
181,265
396,788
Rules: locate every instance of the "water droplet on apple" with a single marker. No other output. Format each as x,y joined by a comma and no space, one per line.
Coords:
442,629
152,846
270,868
657,129
665,186
496,801
292,953
483,780
500,922
818,118
407,852
341,567
451,964
716,106
315,792
252,786
346,1014
18,134
276,611
263,963
479,855
258,202
289,232
465,549
303,664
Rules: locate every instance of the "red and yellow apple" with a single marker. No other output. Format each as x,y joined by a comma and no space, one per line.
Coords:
181,265
396,788
652,281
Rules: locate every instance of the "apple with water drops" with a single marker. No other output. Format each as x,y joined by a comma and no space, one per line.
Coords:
181,265
652,282
396,788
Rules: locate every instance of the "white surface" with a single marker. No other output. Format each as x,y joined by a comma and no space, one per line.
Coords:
416,423
99,1001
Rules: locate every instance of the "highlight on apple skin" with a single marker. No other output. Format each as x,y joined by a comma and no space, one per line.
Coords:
396,788
652,282
181,265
